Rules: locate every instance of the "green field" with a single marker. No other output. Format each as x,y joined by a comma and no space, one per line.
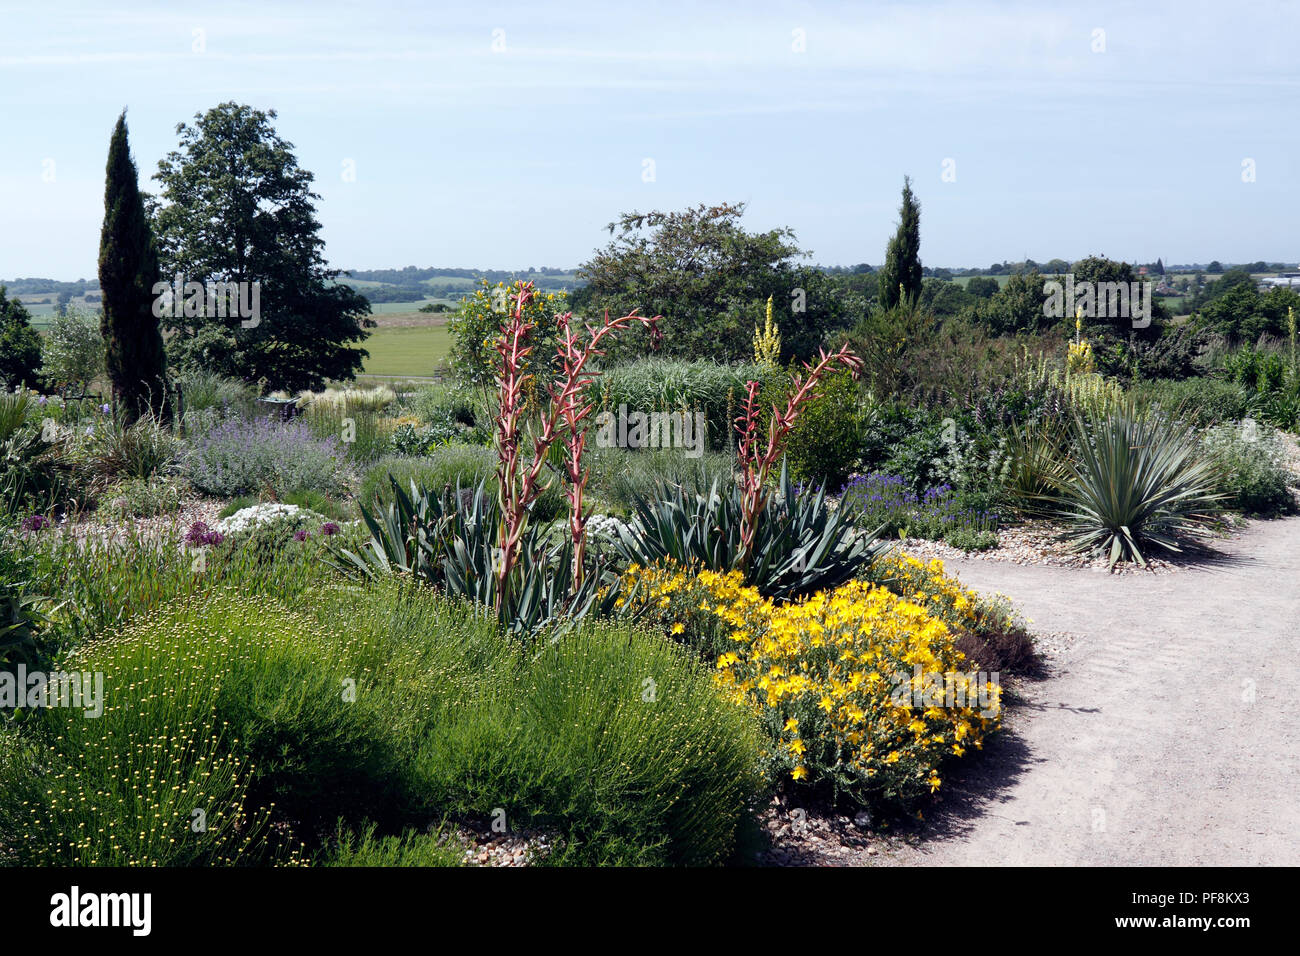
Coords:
41,307
394,308
963,280
415,350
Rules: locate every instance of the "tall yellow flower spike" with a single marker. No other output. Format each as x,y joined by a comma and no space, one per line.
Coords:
767,343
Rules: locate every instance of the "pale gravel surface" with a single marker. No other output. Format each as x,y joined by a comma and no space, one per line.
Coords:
1168,732
1038,542
101,527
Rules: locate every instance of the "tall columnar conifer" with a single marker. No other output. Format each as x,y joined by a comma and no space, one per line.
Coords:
128,268
900,277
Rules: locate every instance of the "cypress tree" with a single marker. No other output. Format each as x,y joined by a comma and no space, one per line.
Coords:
903,256
128,268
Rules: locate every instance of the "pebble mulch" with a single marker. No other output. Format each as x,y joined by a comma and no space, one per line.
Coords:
483,847
1035,542
101,527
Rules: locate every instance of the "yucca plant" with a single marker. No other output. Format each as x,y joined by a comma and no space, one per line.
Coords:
1137,481
15,409
800,545
449,541
1037,466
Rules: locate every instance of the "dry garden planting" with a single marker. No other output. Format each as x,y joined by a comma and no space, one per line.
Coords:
660,570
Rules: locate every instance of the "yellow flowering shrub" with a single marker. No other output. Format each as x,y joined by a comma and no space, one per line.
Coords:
986,629
1080,360
834,679
476,325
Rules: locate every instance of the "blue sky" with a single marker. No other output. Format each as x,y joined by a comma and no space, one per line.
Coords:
469,156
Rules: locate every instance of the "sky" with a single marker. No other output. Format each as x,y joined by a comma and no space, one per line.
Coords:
508,135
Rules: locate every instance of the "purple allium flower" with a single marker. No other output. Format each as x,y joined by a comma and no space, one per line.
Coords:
329,528
301,535
200,534
35,523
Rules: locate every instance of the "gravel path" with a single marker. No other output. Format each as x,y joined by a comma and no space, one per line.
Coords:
1167,731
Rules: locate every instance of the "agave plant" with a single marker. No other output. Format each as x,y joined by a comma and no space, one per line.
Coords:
800,545
1037,467
449,540
1138,481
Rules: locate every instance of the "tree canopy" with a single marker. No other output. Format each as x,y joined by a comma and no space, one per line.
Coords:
237,208
710,279
20,344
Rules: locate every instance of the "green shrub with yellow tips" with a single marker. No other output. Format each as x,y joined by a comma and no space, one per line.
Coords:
332,726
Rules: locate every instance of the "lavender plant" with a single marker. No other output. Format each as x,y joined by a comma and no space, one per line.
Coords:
239,456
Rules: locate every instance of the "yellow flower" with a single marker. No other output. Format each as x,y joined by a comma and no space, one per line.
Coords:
678,628
799,773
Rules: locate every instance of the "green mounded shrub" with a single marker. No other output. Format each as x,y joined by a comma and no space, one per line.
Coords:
971,539
673,385
620,476
437,403
412,848
164,707
362,715
235,706
1250,469
826,441
613,738
143,498
445,467
1200,401
442,469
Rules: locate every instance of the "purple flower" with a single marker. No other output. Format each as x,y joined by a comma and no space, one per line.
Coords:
301,535
105,409
329,528
35,523
42,401
200,534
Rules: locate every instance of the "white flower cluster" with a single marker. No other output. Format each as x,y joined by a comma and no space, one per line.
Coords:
251,517
604,526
